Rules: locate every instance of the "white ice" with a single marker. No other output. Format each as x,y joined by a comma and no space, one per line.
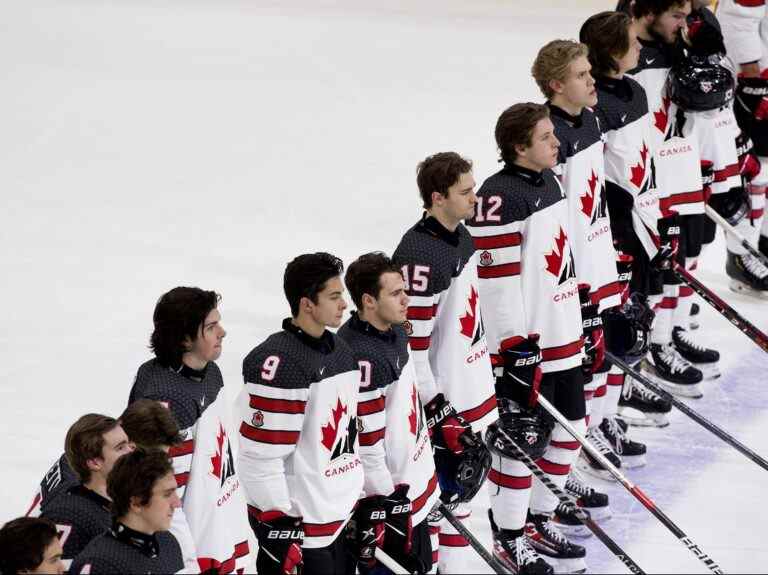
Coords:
149,144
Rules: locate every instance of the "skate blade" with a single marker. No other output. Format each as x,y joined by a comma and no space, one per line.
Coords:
598,513
580,531
575,565
710,371
632,461
603,474
691,390
742,288
654,419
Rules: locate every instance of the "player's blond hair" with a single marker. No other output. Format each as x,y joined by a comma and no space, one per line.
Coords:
552,63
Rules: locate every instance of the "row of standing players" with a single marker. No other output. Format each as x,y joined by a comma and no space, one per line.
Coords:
449,338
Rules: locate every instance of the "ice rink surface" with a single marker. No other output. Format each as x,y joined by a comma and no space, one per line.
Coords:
149,144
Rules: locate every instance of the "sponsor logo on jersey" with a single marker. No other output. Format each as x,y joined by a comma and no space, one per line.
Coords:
337,438
649,61
486,258
222,462
560,259
472,322
408,327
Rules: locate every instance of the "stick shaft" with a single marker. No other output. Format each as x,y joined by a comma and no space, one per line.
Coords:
494,563
718,219
390,563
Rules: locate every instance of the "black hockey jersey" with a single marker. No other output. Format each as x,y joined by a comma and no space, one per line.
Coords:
445,323
56,481
394,440
123,550
527,273
299,450
80,515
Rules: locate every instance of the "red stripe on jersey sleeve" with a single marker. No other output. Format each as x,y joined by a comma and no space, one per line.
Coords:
424,313
751,3
292,406
228,566
419,343
500,241
615,379
504,270
451,540
727,172
182,479
371,406
321,529
480,411
511,342
275,437
606,291
562,352
666,204
185,448
510,481
422,499
371,438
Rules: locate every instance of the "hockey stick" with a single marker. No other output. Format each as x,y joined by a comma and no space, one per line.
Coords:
697,417
727,311
390,563
494,563
581,515
632,488
720,220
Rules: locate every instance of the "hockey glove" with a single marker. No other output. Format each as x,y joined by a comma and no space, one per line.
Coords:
398,540
669,234
749,164
365,531
592,329
520,375
280,539
448,430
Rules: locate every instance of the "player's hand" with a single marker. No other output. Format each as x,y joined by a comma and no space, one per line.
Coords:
365,531
280,538
447,429
592,330
521,372
669,235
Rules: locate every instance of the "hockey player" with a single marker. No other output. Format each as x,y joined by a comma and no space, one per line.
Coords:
744,25
395,448
187,340
150,425
30,545
142,488
530,296
92,446
447,338
299,456
56,481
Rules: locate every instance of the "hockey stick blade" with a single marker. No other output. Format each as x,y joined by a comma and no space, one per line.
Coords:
723,223
719,304
581,515
632,488
494,563
697,417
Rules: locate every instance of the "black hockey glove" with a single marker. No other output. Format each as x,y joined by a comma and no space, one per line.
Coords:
624,273
669,235
280,539
448,430
520,376
398,538
592,329
365,530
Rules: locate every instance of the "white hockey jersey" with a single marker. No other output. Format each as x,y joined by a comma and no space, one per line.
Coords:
745,30
394,440
445,324
527,273
581,168
299,450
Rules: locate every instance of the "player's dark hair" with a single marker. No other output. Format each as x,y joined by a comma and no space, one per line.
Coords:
306,276
149,424
515,128
364,276
23,542
607,36
134,476
640,8
439,172
85,440
178,316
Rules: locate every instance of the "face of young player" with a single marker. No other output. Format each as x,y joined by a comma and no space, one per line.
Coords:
207,344
578,89
667,25
542,152
330,306
52,562
392,305
629,60
157,514
116,444
460,202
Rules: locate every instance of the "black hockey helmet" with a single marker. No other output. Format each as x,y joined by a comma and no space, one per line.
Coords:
461,476
529,430
627,328
700,84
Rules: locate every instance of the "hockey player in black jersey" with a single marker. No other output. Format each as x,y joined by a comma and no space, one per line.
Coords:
448,340
30,545
299,456
142,488
92,446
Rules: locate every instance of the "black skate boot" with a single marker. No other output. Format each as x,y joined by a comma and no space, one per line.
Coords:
632,453
588,498
748,275
553,547
513,549
672,372
566,520
703,358
589,464
762,245
640,406
693,319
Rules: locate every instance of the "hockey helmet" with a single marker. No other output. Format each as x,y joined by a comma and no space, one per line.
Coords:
627,328
699,84
461,475
514,432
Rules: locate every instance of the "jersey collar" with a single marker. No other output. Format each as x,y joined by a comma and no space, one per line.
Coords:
83,491
363,326
618,87
431,226
560,113
530,176
324,344
147,544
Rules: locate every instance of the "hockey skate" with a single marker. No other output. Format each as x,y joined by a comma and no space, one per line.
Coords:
748,275
703,358
693,319
589,464
568,523
672,372
588,498
640,406
553,547
762,245
513,549
632,453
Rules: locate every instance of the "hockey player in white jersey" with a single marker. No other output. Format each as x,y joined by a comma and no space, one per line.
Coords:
530,299
299,458
448,342
395,449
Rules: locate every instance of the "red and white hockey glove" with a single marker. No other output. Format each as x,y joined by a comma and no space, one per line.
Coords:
669,235
447,429
365,531
521,373
592,328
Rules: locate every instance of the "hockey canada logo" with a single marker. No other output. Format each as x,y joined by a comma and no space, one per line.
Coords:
339,443
558,264
486,258
415,421
472,322
595,194
661,116
223,464
638,171
258,419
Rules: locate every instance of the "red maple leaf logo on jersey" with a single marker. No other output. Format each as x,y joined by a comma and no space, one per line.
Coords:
661,117
468,321
638,171
216,460
588,199
412,417
555,258
331,430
